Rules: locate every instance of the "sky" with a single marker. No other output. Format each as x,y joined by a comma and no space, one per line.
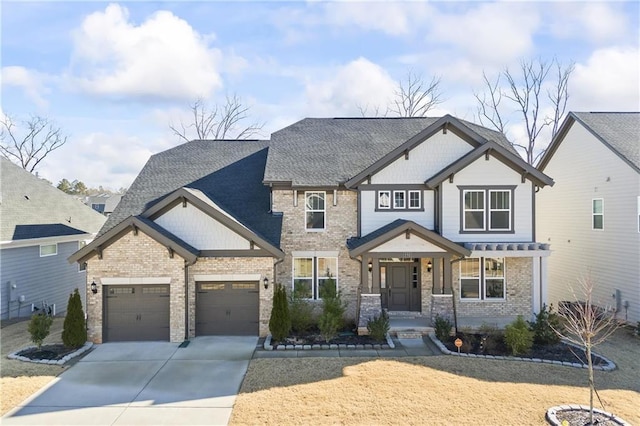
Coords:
115,76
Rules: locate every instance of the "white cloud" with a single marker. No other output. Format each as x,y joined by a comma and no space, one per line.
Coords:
393,18
597,22
162,57
358,83
607,81
32,82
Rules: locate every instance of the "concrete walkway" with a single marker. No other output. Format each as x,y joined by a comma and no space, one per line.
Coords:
144,383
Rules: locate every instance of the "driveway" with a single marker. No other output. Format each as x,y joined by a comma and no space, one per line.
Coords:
144,383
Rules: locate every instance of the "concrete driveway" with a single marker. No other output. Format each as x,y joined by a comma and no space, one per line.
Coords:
144,383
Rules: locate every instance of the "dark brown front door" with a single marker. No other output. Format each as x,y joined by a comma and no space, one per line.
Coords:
136,312
399,283
227,308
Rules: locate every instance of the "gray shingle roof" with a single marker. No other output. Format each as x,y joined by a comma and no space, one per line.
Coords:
228,172
330,151
620,130
27,200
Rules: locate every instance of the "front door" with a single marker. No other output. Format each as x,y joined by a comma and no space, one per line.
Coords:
399,284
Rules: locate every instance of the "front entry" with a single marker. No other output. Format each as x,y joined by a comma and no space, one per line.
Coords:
400,286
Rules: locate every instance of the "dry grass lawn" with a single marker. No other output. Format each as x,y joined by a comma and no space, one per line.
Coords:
431,390
19,380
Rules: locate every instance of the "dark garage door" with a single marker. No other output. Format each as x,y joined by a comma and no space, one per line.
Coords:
227,308
136,312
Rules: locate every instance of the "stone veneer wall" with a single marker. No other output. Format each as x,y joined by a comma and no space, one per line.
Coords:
234,265
519,276
341,223
426,286
136,256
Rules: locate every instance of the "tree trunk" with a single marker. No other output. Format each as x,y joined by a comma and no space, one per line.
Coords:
591,381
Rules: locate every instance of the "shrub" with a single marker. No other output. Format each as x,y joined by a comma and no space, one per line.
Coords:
442,328
379,326
300,312
280,322
518,337
39,328
638,329
74,332
332,318
546,327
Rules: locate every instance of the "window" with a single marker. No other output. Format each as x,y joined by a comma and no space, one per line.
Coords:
398,200
488,284
384,199
597,213
473,210
48,250
315,210
414,199
486,209
98,207
312,276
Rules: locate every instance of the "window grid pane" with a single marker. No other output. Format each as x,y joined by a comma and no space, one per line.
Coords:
398,200
597,211
384,199
473,210
414,199
315,210
470,279
500,210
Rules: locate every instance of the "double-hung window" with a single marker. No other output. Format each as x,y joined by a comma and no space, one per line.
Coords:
487,283
48,250
399,199
597,213
313,275
415,199
315,210
486,209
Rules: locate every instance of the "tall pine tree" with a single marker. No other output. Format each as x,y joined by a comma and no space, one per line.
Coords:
74,333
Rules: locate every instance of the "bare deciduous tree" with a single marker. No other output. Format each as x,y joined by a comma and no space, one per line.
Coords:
413,97
587,325
528,91
218,121
30,142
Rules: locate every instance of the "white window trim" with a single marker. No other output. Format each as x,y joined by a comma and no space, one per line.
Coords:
488,204
307,210
593,214
388,207
294,277
479,278
315,276
482,285
465,210
404,200
409,199
50,254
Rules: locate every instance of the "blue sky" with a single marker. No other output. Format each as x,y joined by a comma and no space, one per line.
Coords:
115,75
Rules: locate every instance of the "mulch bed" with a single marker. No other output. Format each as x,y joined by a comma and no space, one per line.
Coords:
48,352
581,418
313,337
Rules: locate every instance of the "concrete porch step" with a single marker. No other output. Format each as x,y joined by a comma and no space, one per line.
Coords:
410,333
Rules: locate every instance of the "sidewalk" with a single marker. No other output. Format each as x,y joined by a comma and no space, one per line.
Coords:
404,348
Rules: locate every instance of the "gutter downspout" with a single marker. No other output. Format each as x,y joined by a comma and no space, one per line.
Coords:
186,303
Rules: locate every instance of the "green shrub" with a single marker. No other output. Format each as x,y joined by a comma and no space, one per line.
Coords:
546,326
39,328
74,332
379,326
280,322
301,313
518,337
332,318
442,328
638,329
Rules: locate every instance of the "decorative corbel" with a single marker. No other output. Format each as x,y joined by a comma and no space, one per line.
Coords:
251,245
170,252
98,250
406,154
524,176
444,128
335,197
486,154
184,202
407,234
451,178
135,230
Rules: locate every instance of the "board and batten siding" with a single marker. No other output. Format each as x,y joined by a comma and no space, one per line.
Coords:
51,278
583,169
201,230
372,219
491,172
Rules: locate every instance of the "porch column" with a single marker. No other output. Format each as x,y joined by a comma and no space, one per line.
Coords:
536,285
437,275
364,274
448,283
544,267
375,287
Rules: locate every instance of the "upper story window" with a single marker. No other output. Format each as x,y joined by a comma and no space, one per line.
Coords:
99,207
315,210
393,200
597,213
48,250
487,283
486,209
312,275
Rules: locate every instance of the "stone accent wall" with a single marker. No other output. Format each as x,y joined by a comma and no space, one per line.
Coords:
341,223
519,277
370,307
234,265
136,256
442,305
426,286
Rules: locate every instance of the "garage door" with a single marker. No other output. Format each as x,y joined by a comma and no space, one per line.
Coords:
227,308
136,312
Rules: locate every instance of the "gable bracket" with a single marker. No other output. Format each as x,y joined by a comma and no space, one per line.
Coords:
406,154
135,230
407,234
251,245
369,179
184,202
486,155
451,178
99,251
170,252
524,176
444,128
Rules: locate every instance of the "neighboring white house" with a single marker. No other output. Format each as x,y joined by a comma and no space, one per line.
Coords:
591,216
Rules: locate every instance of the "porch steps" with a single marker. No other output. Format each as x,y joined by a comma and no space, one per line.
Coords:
409,325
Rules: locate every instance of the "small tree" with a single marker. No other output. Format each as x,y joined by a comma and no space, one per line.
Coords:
518,337
332,318
39,328
74,332
544,326
587,325
280,321
300,312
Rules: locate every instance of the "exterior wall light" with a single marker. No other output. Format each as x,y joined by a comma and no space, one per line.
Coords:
94,287
266,283
370,266
429,266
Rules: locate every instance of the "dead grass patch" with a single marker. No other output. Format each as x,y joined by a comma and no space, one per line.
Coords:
430,390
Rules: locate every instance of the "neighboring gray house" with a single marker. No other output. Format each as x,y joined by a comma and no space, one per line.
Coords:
407,214
40,226
103,203
592,215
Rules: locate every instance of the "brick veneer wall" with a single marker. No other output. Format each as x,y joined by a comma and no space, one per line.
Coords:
234,265
341,224
136,256
518,301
